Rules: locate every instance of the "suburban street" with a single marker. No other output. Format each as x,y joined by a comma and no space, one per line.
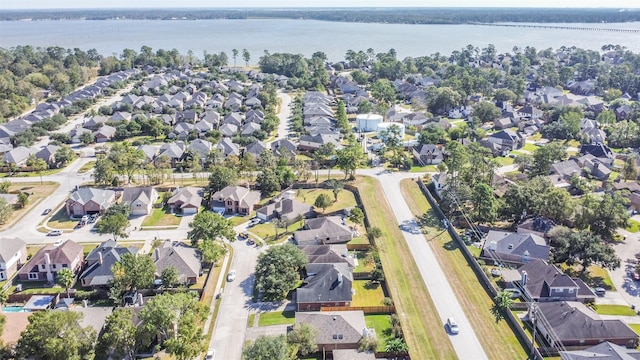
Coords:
466,343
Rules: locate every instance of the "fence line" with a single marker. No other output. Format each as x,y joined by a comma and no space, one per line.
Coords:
382,309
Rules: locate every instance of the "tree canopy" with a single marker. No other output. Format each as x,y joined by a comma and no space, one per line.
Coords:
210,226
278,271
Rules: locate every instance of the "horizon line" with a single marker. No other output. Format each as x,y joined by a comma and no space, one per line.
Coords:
319,7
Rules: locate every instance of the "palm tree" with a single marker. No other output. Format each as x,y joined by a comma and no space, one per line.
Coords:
502,303
65,278
279,223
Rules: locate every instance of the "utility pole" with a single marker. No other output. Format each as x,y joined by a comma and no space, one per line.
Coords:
532,317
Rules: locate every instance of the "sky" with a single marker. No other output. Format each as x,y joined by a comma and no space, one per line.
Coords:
70,4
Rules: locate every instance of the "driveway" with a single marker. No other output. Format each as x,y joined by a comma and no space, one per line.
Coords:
466,343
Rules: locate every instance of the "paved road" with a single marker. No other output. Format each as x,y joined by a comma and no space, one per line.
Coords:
628,289
284,115
466,343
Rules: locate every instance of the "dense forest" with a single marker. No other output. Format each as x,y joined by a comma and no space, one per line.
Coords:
371,15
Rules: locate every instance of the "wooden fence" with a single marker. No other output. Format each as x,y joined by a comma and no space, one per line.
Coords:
382,309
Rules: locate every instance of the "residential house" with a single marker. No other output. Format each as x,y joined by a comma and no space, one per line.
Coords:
323,230
439,181
228,148
104,133
325,285
503,123
139,199
249,129
97,271
200,147
185,259
18,156
427,154
46,263
353,354
13,254
566,169
150,151
600,151
186,200
48,154
514,248
228,130
284,147
328,254
495,148
574,324
174,151
507,138
85,201
538,225
336,331
256,148
594,167
530,112
285,207
545,282
234,200
312,143
602,351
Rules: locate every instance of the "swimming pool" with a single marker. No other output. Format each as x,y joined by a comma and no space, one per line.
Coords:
13,309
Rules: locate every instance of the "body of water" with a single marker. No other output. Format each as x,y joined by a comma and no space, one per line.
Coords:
300,36
13,309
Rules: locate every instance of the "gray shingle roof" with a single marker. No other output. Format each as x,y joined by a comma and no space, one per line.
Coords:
330,325
84,195
9,247
323,284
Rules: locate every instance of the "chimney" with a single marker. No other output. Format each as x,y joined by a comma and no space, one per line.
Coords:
339,278
156,253
47,258
524,278
100,258
140,300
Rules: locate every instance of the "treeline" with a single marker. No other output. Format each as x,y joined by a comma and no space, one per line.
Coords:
394,15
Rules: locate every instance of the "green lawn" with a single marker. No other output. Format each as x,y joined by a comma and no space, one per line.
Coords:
277,318
475,251
382,325
632,226
366,295
239,219
504,160
38,287
267,231
595,277
623,310
428,168
635,327
363,266
61,221
161,217
86,167
359,240
529,147
251,320
345,198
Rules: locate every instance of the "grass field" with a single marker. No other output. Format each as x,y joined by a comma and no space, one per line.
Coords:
415,308
635,327
363,266
37,192
345,198
605,309
382,325
530,147
61,221
277,318
161,217
428,168
86,167
498,339
366,295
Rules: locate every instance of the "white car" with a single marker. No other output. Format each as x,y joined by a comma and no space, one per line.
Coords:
211,355
453,326
254,221
231,275
54,233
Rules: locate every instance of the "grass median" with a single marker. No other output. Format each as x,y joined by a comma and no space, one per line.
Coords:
498,339
423,332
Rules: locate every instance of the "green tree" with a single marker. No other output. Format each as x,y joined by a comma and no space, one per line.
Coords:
382,90
606,117
87,138
234,53
485,205
133,272
56,335
23,199
373,233
221,177
126,159
64,155
432,134
368,343
501,304
486,111
65,278
246,56
4,186
630,169
545,156
356,216
6,210
118,339
210,226
277,271
582,247
269,181
323,201
212,251
457,157
103,172
114,224
349,158
267,348
443,98
170,277
396,345
603,215
38,165
303,338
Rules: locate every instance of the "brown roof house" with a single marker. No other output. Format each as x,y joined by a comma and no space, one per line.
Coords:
140,199
574,324
89,201
323,230
514,248
97,272
184,259
328,254
285,207
234,200
186,200
338,330
544,282
13,254
325,285
44,265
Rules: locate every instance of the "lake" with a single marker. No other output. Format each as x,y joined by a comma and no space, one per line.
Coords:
300,36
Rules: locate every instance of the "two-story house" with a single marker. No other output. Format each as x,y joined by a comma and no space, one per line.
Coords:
13,253
46,263
234,200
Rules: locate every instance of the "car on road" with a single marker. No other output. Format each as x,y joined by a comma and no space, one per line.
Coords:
635,275
599,291
254,221
211,355
58,242
231,275
46,211
243,235
54,233
453,326
250,242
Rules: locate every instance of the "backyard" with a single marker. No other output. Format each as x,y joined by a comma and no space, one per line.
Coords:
382,326
498,339
366,294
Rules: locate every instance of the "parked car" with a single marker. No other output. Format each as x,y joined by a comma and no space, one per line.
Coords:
58,242
453,326
211,354
599,291
250,242
46,211
254,221
244,235
231,275
54,233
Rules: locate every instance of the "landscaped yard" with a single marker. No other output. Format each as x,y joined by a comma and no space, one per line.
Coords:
474,250
504,160
359,240
61,221
411,298
497,339
363,264
382,325
161,217
366,295
428,168
596,276
267,231
605,309
277,318
529,147
239,219
345,198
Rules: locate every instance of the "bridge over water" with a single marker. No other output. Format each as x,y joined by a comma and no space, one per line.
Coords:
580,28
